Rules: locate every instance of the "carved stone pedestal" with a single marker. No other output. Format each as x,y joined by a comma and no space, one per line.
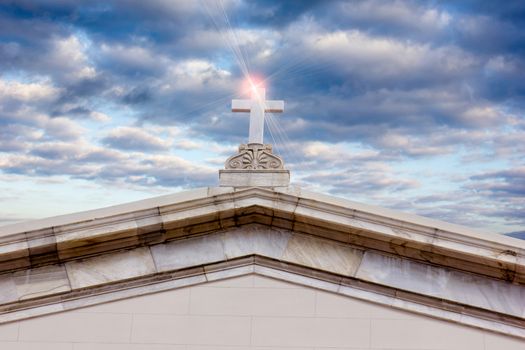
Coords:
255,165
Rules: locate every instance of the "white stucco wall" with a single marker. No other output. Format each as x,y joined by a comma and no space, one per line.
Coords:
250,312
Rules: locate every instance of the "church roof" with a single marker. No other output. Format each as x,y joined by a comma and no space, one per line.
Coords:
404,261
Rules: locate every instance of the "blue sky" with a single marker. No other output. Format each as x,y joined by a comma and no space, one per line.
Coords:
412,105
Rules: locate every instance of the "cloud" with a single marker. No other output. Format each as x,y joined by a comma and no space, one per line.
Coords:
137,96
78,160
349,182
135,61
400,18
158,170
196,74
62,129
135,139
55,150
278,13
27,92
354,53
508,183
115,92
68,54
488,34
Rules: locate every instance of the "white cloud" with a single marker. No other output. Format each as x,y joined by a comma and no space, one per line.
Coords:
385,58
341,153
400,14
482,116
136,139
70,59
62,129
27,92
195,74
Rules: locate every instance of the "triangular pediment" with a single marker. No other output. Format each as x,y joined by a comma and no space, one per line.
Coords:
402,261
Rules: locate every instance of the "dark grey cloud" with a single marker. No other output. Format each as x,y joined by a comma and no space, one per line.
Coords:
137,96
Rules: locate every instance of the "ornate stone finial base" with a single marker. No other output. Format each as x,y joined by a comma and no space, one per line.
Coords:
255,165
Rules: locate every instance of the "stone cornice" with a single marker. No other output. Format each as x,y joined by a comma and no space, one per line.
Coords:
152,221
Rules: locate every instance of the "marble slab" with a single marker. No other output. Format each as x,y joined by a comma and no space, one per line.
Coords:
445,283
41,281
255,239
110,267
8,292
188,252
323,254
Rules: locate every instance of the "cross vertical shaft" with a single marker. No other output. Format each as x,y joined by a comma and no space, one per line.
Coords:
256,132
257,106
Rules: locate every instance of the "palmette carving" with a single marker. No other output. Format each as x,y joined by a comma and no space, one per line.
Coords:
255,157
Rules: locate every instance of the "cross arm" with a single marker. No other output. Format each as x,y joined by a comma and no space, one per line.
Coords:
273,106
241,105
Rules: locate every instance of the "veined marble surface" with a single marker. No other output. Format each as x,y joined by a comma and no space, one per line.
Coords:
110,267
465,288
41,281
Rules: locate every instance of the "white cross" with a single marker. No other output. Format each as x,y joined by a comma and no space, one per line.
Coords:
257,106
